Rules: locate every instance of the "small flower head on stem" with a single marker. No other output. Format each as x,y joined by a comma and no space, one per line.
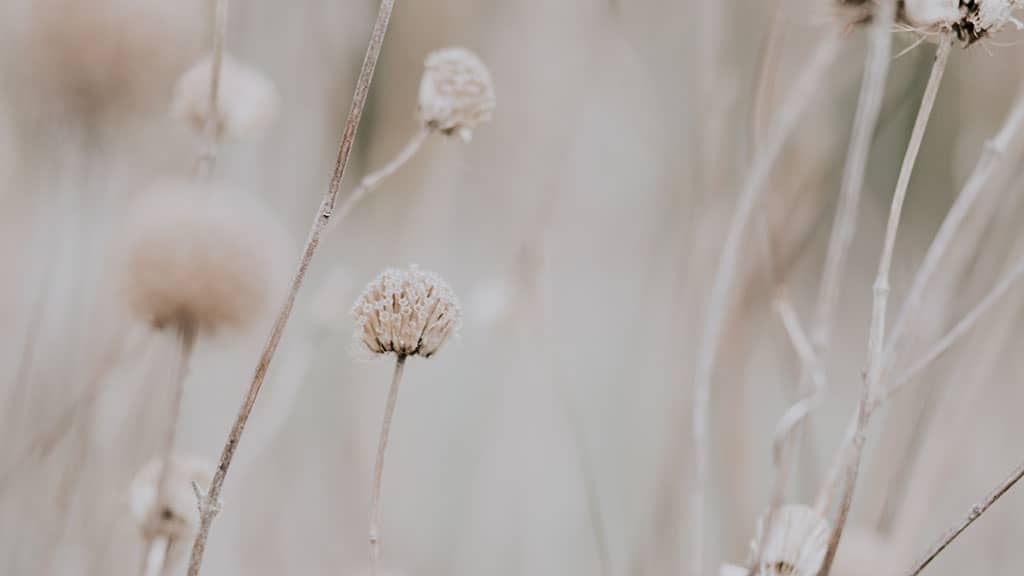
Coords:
247,100
408,312
793,544
174,515
197,254
456,93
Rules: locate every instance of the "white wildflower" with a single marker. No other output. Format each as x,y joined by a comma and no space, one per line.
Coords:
456,93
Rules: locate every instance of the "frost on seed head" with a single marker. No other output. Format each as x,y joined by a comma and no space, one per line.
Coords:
407,312
198,254
174,515
247,100
456,93
795,545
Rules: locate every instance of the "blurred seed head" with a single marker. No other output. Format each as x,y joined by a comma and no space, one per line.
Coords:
796,543
407,312
197,253
247,101
456,93
174,515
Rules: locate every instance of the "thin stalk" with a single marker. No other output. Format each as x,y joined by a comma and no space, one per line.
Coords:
995,150
876,338
793,108
186,337
156,557
209,503
371,181
975,512
211,124
378,469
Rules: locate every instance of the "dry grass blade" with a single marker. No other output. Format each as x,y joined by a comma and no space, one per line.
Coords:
208,504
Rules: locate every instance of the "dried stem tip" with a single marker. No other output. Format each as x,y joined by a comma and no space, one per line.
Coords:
456,93
202,255
247,100
793,545
408,312
174,515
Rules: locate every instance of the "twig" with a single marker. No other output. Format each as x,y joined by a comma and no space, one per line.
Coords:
323,217
793,107
378,469
957,331
976,511
371,181
994,151
211,124
876,338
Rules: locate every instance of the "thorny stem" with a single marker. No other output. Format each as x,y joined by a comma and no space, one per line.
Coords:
371,181
210,500
876,338
378,468
975,512
994,151
212,123
793,107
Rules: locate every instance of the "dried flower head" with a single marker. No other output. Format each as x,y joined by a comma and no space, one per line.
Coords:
175,515
247,100
408,312
456,93
796,543
199,254
970,20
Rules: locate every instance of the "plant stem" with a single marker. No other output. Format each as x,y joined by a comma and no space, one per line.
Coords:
975,512
378,469
156,557
211,124
793,108
371,181
209,503
876,338
186,336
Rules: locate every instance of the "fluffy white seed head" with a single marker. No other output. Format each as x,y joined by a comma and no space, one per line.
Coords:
407,312
795,545
456,93
970,20
247,100
174,515
203,255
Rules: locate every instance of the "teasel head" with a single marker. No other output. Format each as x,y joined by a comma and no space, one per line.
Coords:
200,255
247,100
408,312
173,514
456,93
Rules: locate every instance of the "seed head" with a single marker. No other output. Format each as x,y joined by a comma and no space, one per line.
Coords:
199,254
795,545
456,93
970,20
174,515
247,100
408,312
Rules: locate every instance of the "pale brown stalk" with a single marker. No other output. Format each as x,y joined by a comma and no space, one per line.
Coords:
876,338
975,512
378,469
210,501
721,291
211,124
372,180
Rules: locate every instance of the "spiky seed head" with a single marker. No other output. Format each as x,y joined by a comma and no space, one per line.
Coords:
247,100
408,312
970,20
173,515
456,93
795,545
200,254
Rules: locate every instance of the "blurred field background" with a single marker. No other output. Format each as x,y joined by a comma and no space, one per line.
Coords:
554,437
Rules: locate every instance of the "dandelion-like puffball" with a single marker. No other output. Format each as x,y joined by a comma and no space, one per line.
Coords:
796,543
247,100
408,312
456,93
201,255
970,20
175,515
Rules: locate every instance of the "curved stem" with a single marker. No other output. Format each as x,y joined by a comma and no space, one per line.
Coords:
378,469
371,181
209,502
876,338
793,108
975,512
